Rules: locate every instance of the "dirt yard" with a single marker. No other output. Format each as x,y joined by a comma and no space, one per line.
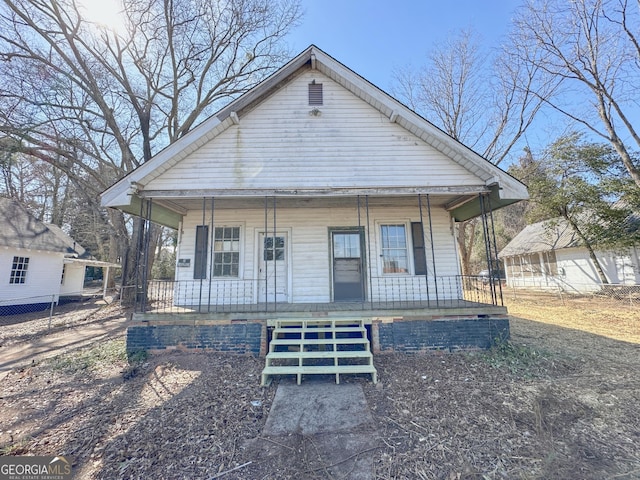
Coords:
560,401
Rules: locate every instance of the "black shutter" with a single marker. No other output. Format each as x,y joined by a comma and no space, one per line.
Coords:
419,254
202,245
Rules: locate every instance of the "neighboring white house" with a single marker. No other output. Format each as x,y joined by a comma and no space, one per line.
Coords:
549,255
39,263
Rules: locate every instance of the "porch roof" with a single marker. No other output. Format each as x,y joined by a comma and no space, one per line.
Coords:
169,207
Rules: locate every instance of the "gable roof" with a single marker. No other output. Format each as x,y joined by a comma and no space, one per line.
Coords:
74,246
20,229
542,237
505,189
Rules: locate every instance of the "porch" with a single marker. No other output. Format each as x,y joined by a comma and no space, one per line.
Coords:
466,321
389,263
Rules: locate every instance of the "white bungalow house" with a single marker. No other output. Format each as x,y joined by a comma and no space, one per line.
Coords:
315,195
549,256
39,263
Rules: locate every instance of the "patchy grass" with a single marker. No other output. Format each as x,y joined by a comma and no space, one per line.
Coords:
520,360
18,448
103,354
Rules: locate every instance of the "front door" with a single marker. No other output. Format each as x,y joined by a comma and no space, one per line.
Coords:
348,266
273,266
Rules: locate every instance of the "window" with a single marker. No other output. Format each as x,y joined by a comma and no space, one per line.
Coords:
315,94
19,270
513,267
273,248
64,271
226,252
394,249
200,260
346,245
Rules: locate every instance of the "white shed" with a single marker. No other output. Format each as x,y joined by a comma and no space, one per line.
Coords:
39,263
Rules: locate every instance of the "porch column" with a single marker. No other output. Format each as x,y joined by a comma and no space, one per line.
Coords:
362,281
261,255
433,252
369,255
424,246
105,282
211,248
491,251
142,253
275,276
203,255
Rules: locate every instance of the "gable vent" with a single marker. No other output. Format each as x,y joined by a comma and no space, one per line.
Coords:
315,94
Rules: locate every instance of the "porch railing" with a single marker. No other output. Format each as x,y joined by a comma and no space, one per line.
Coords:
248,295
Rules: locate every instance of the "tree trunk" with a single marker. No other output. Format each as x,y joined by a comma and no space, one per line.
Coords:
466,233
592,253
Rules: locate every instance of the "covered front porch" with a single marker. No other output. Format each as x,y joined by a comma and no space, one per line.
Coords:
296,249
386,262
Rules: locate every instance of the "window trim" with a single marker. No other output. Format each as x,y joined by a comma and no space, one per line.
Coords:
239,252
408,247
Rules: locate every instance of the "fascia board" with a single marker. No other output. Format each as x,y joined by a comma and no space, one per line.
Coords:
117,194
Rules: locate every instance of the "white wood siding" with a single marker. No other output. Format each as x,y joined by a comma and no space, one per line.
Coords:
42,280
309,249
73,279
577,273
280,144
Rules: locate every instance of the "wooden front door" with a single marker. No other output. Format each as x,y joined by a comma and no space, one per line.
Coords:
274,267
348,266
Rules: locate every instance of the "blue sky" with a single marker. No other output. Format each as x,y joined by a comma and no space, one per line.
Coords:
372,37
376,37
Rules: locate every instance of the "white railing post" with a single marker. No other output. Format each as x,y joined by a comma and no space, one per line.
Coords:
53,297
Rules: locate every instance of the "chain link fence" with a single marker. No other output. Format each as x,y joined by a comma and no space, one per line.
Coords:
23,309
614,294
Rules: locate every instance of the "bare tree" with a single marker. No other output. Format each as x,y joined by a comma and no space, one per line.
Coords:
591,49
97,102
486,100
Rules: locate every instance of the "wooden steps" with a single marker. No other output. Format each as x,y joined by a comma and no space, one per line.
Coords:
318,346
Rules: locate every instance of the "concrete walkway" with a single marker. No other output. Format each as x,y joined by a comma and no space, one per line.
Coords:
47,346
335,417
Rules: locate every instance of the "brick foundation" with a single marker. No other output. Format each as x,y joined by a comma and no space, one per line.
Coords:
391,334
439,334
236,337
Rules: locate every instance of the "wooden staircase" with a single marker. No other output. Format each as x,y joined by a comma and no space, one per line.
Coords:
318,346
